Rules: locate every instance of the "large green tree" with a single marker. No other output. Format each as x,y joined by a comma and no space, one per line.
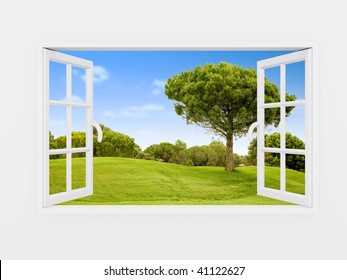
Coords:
222,98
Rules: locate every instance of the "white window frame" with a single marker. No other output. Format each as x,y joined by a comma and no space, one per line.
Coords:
282,61
211,209
68,61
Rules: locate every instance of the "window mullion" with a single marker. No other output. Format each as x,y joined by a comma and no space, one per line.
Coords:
68,127
89,129
283,127
260,128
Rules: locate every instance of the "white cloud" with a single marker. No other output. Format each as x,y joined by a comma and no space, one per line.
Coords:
100,74
159,83
141,111
159,86
74,98
156,91
77,99
134,112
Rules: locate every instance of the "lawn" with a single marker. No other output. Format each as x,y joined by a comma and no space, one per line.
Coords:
123,181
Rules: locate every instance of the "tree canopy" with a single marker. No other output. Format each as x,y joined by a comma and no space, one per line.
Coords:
222,98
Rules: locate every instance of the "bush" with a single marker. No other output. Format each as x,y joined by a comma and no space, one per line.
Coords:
189,162
143,155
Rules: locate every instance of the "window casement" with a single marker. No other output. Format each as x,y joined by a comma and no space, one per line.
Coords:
66,102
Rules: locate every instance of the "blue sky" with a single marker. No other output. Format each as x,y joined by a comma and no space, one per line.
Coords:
129,93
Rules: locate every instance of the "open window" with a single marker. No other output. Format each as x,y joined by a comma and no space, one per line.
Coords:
280,186
69,108
282,173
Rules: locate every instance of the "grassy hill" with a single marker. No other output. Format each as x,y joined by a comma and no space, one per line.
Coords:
124,181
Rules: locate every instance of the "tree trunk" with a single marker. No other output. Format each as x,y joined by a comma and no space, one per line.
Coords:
229,164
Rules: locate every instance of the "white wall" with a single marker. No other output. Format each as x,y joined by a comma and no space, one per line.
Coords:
26,234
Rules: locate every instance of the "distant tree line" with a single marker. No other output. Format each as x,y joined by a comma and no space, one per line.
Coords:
115,144
206,155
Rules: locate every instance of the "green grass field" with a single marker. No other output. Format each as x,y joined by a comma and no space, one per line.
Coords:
123,181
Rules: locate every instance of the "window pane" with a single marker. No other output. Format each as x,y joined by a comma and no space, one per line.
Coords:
57,127
295,80
57,174
78,170
272,133
295,173
272,171
295,128
78,127
272,85
57,81
78,85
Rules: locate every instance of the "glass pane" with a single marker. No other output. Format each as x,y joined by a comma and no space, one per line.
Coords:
272,85
57,127
57,174
295,128
272,133
295,81
78,170
78,127
57,81
272,171
295,173
78,85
